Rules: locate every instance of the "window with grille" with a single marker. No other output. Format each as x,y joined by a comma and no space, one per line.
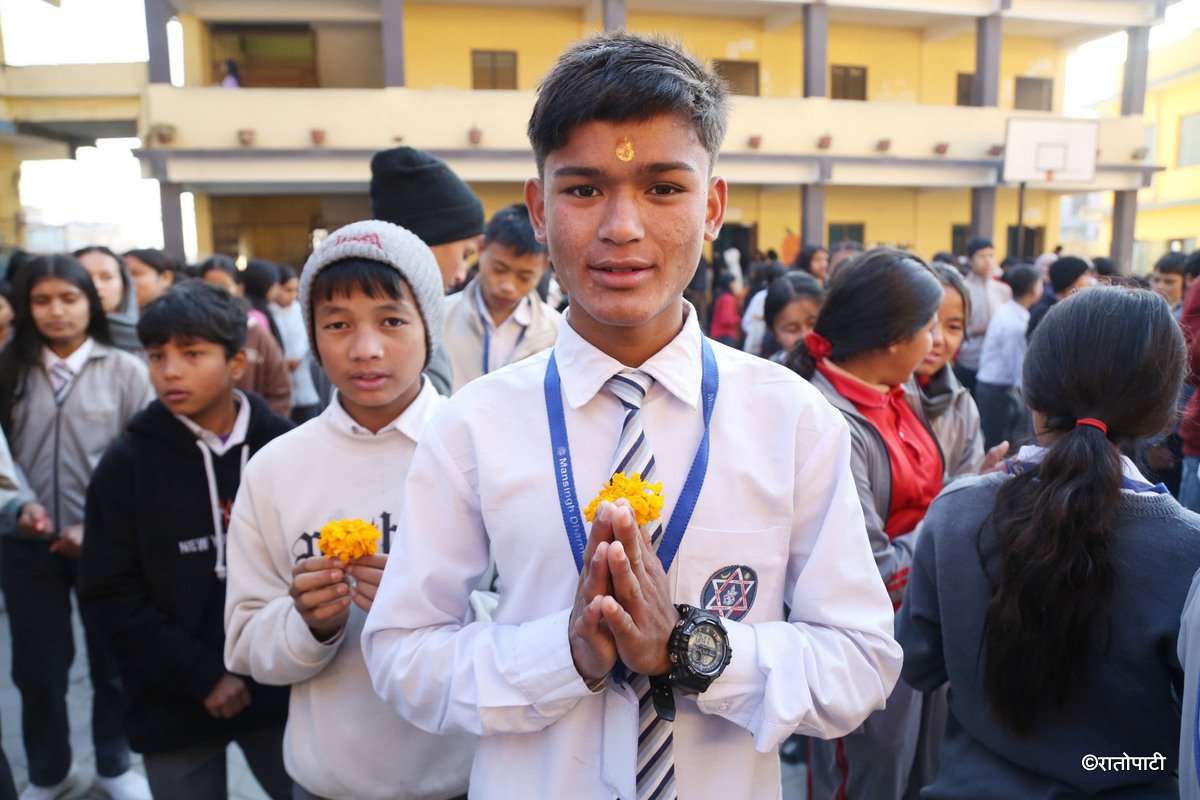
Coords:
493,69
847,83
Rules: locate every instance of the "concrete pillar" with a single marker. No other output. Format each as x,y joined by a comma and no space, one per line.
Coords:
812,214
983,213
393,42
1137,58
158,14
615,14
172,217
1133,102
985,88
1124,219
816,52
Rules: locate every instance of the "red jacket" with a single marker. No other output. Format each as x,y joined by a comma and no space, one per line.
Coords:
725,321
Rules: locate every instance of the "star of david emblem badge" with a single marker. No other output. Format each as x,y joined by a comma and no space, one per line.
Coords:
729,592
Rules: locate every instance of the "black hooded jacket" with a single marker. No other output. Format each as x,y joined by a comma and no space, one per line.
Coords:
151,576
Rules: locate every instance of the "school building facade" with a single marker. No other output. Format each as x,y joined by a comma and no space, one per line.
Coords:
882,121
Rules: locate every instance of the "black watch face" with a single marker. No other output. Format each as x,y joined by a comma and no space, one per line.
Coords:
706,649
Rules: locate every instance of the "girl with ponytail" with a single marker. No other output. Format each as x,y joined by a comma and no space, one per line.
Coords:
1048,595
877,324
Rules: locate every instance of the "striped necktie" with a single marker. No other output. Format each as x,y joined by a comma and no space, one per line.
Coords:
61,377
655,760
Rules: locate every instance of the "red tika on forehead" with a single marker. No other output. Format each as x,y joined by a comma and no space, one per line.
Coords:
368,238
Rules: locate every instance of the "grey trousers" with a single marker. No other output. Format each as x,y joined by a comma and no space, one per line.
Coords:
199,772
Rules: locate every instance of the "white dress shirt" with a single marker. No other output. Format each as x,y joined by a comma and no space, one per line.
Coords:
779,498
987,297
74,362
503,338
1003,355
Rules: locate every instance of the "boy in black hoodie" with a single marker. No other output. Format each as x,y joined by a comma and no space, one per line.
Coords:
153,564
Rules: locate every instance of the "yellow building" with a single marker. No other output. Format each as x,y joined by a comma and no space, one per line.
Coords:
882,121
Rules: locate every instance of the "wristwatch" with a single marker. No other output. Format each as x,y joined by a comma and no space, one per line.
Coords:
699,649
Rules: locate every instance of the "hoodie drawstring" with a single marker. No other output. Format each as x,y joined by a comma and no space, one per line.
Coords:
215,503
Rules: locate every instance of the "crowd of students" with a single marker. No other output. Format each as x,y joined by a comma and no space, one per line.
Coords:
914,533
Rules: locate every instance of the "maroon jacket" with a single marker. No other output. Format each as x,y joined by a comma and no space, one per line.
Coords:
1189,429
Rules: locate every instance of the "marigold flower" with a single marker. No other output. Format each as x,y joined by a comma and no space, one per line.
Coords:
345,539
644,498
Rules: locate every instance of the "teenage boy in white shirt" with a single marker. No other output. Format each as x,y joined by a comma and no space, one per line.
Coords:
625,131
372,299
499,319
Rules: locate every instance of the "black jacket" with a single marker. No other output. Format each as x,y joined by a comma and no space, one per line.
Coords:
148,582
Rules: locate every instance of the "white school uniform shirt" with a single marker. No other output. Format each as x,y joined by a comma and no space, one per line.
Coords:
1004,346
74,361
340,740
987,297
779,502
503,338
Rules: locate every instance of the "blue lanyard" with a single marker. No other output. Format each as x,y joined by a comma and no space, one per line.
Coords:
565,477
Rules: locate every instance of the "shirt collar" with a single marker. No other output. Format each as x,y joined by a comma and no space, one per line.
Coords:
521,315
237,436
410,423
856,391
1021,311
584,369
75,361
1033,454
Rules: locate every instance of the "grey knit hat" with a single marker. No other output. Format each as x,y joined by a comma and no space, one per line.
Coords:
388,244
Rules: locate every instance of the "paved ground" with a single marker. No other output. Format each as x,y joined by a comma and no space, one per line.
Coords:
242,785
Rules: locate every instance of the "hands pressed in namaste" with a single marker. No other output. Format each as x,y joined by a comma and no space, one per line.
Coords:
623,601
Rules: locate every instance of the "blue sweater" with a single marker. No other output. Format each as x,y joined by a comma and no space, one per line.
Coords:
1126,702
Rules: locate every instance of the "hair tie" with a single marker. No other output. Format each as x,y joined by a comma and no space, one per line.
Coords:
1092,423
818,346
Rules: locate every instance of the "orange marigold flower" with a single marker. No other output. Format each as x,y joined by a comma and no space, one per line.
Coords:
345,539
644,498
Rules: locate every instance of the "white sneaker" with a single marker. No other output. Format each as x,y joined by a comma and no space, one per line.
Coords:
129,785
73,786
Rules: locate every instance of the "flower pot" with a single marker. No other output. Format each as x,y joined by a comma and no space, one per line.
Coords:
755,142
475,136
825,142
246,136
161,133
317,135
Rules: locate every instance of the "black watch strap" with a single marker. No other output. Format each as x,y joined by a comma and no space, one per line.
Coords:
663,696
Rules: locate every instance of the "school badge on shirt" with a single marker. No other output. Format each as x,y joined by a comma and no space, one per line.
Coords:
729,592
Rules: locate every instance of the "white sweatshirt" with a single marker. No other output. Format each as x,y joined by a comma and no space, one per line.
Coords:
342,741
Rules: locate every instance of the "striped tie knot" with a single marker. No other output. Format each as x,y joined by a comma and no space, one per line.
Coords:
630,387
61,376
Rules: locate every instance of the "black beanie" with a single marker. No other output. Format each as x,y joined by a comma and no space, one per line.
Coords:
1066,271
417,191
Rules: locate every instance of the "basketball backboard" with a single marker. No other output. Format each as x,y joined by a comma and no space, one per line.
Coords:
1050,150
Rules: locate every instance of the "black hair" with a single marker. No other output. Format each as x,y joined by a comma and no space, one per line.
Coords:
1022,279
194,310
9,293
976,244
258,278
231,68
286,273
121,272
943,257
158,260
510,227
24,350
772,255
875,299
789,287
950,276
373,278
805,256
1191,267
221,262
1171,262
1104,266
722,283
618,76
1112,354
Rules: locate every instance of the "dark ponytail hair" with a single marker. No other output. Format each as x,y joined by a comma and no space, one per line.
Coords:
875,299
24,351
1111,354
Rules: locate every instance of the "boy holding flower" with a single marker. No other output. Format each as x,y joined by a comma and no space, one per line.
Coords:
631,660
304,563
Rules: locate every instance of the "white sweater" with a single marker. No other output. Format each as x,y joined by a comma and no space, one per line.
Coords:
342,741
